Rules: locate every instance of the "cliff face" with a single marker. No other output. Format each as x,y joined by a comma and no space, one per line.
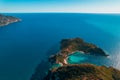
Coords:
83,72
5,20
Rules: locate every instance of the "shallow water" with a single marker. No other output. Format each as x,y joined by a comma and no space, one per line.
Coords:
78,58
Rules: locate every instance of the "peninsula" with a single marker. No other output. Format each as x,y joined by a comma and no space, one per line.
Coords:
59,69
70,46
5,20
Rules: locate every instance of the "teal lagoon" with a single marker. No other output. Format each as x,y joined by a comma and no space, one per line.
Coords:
76,58
79,58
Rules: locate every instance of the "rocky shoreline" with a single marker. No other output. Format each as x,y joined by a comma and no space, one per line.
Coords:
5,20
70,46
86,71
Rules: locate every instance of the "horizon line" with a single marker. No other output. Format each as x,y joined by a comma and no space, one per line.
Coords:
69,12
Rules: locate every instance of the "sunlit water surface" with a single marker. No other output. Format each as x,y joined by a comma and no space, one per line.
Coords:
24,44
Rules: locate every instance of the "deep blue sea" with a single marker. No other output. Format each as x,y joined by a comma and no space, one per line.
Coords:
24,44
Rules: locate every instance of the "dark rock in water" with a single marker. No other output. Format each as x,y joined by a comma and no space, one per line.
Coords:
5,20
83,72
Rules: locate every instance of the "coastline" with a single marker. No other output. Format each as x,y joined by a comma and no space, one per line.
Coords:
6,20
62,55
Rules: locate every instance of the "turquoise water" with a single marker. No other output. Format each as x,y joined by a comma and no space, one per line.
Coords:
78,58
55,66
24,44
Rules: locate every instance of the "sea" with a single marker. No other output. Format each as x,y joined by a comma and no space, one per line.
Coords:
23,45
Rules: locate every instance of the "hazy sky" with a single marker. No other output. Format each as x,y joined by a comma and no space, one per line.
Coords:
94,6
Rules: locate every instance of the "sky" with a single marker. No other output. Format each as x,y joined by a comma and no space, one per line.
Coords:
74,6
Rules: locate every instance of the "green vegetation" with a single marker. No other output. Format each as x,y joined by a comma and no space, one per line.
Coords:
68,46
77,44
77,71
84,72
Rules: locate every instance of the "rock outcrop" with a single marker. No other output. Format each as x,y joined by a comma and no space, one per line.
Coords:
69,46
86,71
77,44
5,20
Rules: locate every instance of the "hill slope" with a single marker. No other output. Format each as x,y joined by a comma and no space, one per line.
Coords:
83,72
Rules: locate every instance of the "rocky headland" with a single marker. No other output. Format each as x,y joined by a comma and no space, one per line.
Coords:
69,46
5,20
59,69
